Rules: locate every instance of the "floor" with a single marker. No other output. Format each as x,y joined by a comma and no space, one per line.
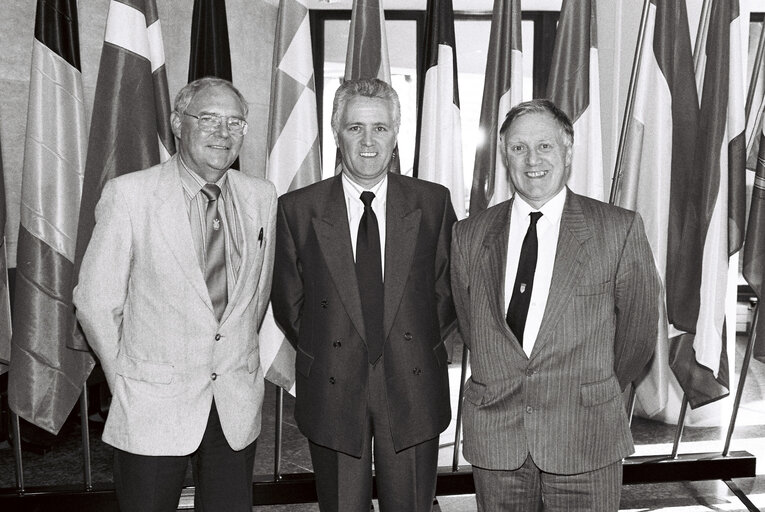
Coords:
57,461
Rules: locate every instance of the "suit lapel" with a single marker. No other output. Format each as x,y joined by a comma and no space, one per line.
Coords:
493,266
173,220
249,223
569,258
333,234
402,225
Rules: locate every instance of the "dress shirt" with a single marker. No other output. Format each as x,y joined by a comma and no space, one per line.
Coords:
548,228
196,208
355,209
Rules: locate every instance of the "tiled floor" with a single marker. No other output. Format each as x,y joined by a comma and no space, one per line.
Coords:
62,465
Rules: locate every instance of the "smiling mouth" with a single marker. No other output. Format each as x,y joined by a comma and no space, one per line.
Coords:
536,174
215,146
368,154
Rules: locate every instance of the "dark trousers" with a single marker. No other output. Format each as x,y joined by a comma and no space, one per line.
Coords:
222,476
406,480
529,489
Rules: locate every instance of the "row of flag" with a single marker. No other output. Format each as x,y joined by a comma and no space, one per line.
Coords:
690,197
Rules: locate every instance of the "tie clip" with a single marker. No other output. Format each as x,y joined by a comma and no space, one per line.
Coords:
216,224
522,288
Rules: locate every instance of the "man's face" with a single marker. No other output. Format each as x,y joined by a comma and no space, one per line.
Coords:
366,138
537,159
208,153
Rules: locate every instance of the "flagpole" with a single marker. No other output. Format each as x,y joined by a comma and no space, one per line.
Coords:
458,423
17,452
629,108
680,425
742,378
278,432
85,434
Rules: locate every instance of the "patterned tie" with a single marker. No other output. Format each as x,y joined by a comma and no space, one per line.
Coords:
518,309
369,275
215,253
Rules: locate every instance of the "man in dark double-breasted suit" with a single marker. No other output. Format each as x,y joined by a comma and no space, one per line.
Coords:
371,363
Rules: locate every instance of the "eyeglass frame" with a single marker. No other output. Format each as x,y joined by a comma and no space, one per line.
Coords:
220,119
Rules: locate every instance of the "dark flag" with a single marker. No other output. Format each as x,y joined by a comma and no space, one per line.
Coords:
46,377
754,247
210,54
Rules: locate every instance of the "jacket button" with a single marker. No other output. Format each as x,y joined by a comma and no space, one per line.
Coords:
214,376
338,343
416,371
408,336
529,372
331,380
217,337
529,409
324,303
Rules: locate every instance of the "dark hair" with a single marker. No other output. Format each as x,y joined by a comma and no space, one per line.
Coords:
187,93
367,87
541,106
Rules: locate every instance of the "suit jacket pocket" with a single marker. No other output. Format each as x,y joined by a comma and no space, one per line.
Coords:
303,362
593,289
147,371
596,393
475,393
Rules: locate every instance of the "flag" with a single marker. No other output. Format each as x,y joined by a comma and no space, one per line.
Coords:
5,306
754,248
661,134
367,55
130,126
46,377
294,158
210,54
438,156
574,85
707,216
502,90
755,103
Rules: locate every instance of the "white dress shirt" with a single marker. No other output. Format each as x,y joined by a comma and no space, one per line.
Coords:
548,228
355,209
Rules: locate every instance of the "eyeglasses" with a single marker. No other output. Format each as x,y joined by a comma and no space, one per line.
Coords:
211,122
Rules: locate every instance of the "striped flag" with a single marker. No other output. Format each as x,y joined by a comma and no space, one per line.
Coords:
756,103
210,53
367,55
707,216
5,305
46,377
294,158
574,85
754,248
438,156
660,137
502,90
130,128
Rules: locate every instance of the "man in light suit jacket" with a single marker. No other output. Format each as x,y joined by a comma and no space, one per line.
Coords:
545,426
172,291
371,363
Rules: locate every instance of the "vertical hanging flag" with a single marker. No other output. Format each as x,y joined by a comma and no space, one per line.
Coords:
438,156
294,158
5,306
46,377
755,103
210,54
574,85
754,248
661,135
130,126
502,90
367,55
707,216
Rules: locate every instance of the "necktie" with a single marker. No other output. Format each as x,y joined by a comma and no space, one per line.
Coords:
369,275
215,252
518,309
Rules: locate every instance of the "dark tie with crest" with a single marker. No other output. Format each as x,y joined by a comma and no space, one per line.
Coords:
518,309
215,252
369,275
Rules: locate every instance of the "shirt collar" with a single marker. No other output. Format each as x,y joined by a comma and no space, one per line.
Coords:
552,210
353,189
193,183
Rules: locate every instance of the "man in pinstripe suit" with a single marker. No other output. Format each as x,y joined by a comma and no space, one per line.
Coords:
544,425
